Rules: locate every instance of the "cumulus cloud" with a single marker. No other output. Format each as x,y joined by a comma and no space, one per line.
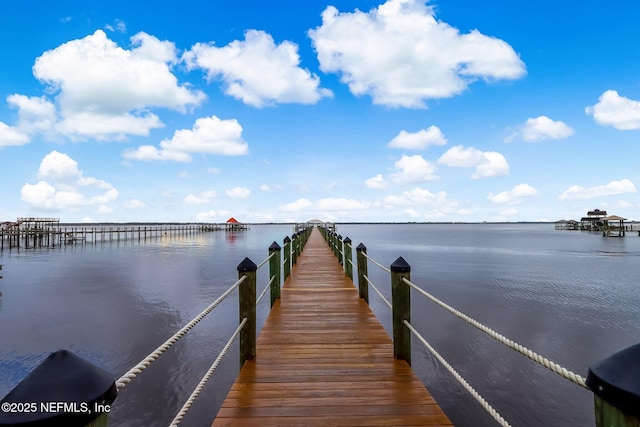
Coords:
615,110
238,192
213,216
209,135
418,140
257,71
63,185
200,198
104,91
514,195
487,163
401,55
413,169
377,182
298,205
611,189
9,135
416,197
541,128
341,204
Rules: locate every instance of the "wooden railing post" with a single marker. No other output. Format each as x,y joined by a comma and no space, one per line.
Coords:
274,271
348,261
247,301
401,301
294,248
615,384
287,258
339,250
363,286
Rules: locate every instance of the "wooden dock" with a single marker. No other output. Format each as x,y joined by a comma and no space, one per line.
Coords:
323,359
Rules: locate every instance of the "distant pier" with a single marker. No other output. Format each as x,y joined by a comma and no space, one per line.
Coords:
30,233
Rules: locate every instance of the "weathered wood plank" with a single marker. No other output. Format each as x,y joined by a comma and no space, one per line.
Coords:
324,359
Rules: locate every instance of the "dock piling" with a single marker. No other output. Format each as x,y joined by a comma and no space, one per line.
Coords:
401,296
247,308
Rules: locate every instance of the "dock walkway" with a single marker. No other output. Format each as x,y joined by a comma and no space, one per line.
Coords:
323,359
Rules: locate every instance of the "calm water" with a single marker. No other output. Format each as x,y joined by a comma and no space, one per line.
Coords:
571,296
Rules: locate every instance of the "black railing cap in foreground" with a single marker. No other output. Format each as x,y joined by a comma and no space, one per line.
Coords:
247,265
287,239
62,377
616,380
400,266
274,247
361,247
347,240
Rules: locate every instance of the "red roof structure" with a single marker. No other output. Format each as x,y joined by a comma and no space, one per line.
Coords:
232,220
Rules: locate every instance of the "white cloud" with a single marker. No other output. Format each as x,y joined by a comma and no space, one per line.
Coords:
514,195
257,71
298,205
209,135
377,182
400,55
63,185
416,197
213,216
413,169
418,140
487,163
214,170
35,114
238,192
104,91
615,110
11,136
614,187
265,187
200,198
341,204
541,128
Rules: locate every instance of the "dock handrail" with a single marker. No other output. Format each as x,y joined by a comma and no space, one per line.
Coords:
400,305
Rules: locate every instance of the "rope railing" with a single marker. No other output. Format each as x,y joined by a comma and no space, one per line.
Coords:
196,392
552,366
265,260
133,372
376,263
264,291
386,301
458,377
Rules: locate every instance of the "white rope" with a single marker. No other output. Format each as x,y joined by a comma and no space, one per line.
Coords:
458,377
196,392
263,262
377,291
552,366
284,262
133,372
264,291
376,262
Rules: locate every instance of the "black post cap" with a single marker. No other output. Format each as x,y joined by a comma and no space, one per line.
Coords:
287,240
400,266
274,247
247,265
74,385
361,247
347,240
616,380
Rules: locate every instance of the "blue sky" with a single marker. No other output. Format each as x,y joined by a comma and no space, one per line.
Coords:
402,110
